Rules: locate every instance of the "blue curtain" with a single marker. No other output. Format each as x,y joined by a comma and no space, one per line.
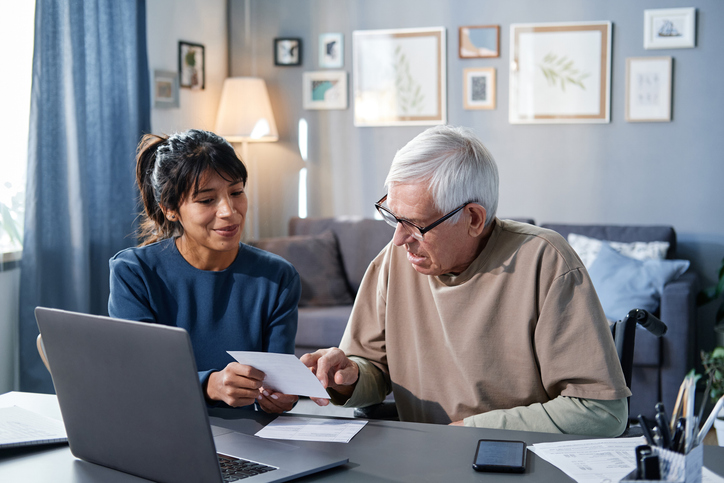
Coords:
89,106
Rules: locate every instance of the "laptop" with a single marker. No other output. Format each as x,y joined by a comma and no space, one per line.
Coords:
131,400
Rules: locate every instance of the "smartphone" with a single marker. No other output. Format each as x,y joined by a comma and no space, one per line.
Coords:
500,455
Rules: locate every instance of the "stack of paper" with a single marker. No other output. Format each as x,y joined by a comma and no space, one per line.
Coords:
20,427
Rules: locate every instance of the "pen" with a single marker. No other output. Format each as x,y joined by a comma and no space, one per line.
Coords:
690,435
658,439
705,398
678,437
710,420
646,429
677,405
663,425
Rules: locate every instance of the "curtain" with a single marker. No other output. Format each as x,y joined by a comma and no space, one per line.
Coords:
90,104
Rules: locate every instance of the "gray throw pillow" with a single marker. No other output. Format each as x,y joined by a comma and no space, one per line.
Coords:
316,258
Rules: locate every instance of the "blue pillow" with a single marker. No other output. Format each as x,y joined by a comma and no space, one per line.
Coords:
623,283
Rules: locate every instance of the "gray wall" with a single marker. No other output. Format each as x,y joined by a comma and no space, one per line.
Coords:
622,173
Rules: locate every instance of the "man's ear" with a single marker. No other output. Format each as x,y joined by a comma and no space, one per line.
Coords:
477,215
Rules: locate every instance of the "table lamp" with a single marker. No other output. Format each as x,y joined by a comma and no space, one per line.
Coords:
245,116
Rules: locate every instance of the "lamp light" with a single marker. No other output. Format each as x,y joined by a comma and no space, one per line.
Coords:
245,116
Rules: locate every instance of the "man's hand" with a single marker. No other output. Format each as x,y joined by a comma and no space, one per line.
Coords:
275,402
334,370
236,385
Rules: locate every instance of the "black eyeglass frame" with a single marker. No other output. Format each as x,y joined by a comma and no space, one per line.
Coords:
421,229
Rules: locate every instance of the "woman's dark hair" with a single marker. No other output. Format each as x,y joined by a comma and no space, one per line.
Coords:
169,169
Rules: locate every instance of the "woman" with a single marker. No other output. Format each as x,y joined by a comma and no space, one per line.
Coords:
192,271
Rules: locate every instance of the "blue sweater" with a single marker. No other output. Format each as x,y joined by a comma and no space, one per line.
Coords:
250,306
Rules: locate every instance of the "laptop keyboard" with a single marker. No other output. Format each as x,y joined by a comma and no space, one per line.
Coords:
234,469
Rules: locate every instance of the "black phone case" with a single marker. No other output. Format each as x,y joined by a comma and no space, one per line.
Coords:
497,468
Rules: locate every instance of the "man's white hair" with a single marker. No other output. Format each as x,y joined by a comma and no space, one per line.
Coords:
456,165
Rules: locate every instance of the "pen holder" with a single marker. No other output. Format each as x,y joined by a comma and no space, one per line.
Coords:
676,467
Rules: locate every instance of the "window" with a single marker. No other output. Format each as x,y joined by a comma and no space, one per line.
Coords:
16,34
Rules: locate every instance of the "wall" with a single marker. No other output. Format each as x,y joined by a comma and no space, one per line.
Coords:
620,172
199,22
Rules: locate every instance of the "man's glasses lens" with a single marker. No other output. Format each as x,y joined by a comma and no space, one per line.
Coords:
392,221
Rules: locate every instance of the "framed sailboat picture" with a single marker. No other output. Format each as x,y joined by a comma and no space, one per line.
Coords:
670,28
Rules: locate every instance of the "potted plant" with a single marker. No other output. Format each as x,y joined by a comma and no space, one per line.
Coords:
711,294
714,361
714,367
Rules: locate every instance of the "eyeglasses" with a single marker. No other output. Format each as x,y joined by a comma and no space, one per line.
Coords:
418,232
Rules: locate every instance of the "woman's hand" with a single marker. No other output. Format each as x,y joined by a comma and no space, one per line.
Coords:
236,385
275,402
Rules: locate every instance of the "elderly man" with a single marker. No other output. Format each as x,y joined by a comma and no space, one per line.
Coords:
470,319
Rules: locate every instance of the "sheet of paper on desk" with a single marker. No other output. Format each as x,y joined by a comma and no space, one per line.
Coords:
284,373
591,460
312,429
599,460
20,427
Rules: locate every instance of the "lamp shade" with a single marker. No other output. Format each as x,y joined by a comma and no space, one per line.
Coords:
245,113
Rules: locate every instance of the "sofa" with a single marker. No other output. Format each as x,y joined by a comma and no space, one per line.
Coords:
660,364
332,254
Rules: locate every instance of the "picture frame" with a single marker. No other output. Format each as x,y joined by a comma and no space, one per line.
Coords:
165,89
331,50
479,41
287,51
191,65
670,28
479,88
648,89
560,73
399,77
325,89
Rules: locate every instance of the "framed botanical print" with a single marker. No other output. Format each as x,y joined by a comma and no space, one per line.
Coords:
560,73
399,77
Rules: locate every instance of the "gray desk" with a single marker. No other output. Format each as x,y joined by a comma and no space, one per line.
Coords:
382,451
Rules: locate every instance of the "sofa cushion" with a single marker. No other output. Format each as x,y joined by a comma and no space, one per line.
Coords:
360,241
623,283
621,233
321,327
316,258
588,248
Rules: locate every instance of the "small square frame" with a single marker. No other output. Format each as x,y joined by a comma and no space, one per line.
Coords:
326,89
331,50
191,65
287,51
165,89
479,41
648,89
670,28
479,88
